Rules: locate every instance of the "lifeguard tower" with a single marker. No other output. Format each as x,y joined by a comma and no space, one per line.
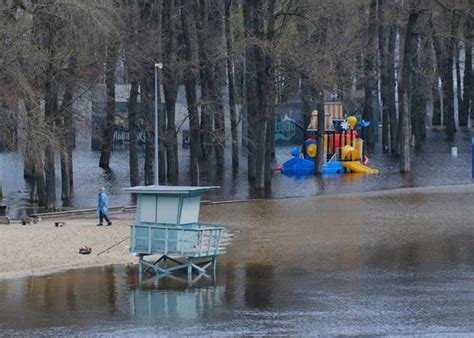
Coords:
167,226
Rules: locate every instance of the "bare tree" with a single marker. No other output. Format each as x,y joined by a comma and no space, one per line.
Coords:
231,85
170,85
111,63
190,37
369,74
409,58
468,96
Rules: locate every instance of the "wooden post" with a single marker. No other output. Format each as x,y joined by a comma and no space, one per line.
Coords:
140,264
190,266
214,261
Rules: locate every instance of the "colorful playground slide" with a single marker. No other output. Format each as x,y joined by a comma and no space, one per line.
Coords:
342,148
358,167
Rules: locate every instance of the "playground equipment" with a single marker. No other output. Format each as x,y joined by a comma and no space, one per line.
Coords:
167,226
342,147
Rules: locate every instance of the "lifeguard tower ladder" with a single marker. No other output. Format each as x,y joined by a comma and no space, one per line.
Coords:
167,226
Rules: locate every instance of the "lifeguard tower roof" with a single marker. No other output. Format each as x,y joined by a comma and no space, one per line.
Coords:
166,189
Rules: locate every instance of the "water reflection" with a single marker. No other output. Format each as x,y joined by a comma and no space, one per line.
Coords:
430,254
258,285
170,306
380,264
110,289
393,282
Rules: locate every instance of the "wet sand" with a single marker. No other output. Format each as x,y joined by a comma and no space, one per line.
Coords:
336,223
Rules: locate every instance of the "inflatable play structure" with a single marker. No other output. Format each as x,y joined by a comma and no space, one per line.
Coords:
343,149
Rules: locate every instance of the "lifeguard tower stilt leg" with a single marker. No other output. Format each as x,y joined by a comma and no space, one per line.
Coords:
190,265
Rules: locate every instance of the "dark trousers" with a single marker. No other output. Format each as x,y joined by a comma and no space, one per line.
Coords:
102,216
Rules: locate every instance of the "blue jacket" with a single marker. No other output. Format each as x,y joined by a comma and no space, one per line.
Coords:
102,203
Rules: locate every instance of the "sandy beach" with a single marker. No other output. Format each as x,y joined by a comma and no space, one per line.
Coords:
42,248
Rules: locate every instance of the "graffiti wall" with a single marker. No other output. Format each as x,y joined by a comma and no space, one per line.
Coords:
288,133
121,136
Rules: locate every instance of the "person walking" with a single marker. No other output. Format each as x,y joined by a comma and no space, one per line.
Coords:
102,207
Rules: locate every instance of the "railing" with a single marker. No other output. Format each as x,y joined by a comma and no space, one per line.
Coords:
334,157
193,240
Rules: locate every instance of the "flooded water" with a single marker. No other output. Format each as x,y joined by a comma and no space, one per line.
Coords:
432,166
384,263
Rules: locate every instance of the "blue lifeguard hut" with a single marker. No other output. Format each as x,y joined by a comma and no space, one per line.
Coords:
167,226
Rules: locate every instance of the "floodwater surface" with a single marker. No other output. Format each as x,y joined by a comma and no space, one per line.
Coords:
377,263
433,165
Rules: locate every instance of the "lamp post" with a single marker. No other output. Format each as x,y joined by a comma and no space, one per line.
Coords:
160,66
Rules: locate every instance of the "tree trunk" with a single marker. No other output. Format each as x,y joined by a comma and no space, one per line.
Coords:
318,167
444,50
149,137
151,23
231,84
269,149
171,143
383,60
305,92
409,57
216,26
436,121
65,191
108,133
133,133
262,121
259,81
67,133
34,164
391,90
269,98
261,113
461,114
468,89
448,96
251,87
170,87
50,114
201,19
401,32
370,78
50,117
134,32
417,102
191,98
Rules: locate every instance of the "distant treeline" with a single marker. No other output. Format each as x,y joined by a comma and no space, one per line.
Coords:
405,52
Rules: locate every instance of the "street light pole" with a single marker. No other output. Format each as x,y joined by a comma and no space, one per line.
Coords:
157,65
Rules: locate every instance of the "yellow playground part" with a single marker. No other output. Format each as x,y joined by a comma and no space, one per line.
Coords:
347,152
311,150
354,152
357,167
